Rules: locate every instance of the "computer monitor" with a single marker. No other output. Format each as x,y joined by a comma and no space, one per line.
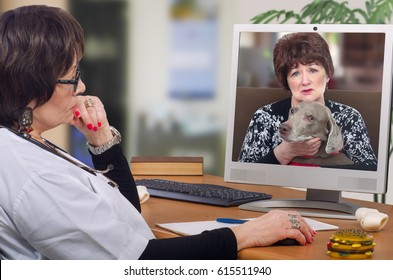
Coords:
362,59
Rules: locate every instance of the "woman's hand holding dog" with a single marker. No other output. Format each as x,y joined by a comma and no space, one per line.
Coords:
287,151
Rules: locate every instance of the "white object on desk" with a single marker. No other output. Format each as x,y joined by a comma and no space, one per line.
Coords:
371,219
143,194
191,228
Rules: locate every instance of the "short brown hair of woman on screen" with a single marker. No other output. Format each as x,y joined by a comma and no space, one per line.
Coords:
303,48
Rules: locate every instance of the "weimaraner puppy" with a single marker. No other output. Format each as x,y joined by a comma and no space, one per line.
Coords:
309,120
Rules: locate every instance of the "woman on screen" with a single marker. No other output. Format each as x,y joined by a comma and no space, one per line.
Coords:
54,207
303,65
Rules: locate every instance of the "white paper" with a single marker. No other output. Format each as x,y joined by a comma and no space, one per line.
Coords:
191,228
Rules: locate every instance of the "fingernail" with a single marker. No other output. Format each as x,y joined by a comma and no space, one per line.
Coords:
314,232
89,126
95,128
99,124
76,113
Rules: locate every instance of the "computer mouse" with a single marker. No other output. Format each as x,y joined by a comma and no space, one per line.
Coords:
287,242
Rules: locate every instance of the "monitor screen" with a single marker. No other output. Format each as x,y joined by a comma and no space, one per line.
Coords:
277,134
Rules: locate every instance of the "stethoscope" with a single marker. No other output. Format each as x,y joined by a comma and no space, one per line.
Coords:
56,150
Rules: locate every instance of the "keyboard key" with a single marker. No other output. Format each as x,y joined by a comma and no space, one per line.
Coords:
200,193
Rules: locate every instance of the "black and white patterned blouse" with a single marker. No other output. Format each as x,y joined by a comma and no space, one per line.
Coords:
262,134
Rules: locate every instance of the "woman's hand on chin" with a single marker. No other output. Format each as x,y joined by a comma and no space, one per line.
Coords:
90,118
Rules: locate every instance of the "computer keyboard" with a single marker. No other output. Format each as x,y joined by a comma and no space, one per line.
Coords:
200,193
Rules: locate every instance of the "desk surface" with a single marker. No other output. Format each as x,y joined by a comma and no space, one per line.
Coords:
157,210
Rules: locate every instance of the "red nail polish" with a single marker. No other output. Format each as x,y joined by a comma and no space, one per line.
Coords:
99,124
95,128
77,113
89,126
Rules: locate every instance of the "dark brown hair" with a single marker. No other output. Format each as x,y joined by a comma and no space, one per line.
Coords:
38,44
303,48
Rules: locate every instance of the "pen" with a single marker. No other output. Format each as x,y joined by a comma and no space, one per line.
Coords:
230,221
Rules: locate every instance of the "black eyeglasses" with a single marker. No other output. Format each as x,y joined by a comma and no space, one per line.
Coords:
72,82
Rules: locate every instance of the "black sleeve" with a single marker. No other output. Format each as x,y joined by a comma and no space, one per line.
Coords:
218,244
269,158
121,173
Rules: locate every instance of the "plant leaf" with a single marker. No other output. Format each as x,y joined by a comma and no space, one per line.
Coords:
268,16
381,11
331,11
328,11
361,13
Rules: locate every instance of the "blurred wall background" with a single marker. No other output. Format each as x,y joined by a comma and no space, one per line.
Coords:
162,68
183,41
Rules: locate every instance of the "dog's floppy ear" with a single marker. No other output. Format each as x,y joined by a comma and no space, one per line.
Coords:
335,140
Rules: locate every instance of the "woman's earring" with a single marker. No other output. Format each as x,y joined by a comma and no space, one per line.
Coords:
25,122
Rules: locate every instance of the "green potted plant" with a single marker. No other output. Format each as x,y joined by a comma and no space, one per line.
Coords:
333,12
330,11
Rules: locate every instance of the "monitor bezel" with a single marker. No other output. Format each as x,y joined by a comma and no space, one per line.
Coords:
323,178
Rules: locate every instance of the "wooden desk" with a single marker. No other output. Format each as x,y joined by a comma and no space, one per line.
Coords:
157,210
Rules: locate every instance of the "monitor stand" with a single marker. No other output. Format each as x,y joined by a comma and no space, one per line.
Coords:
315,199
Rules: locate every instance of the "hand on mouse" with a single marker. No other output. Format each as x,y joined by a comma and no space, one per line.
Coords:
273,227
286,242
